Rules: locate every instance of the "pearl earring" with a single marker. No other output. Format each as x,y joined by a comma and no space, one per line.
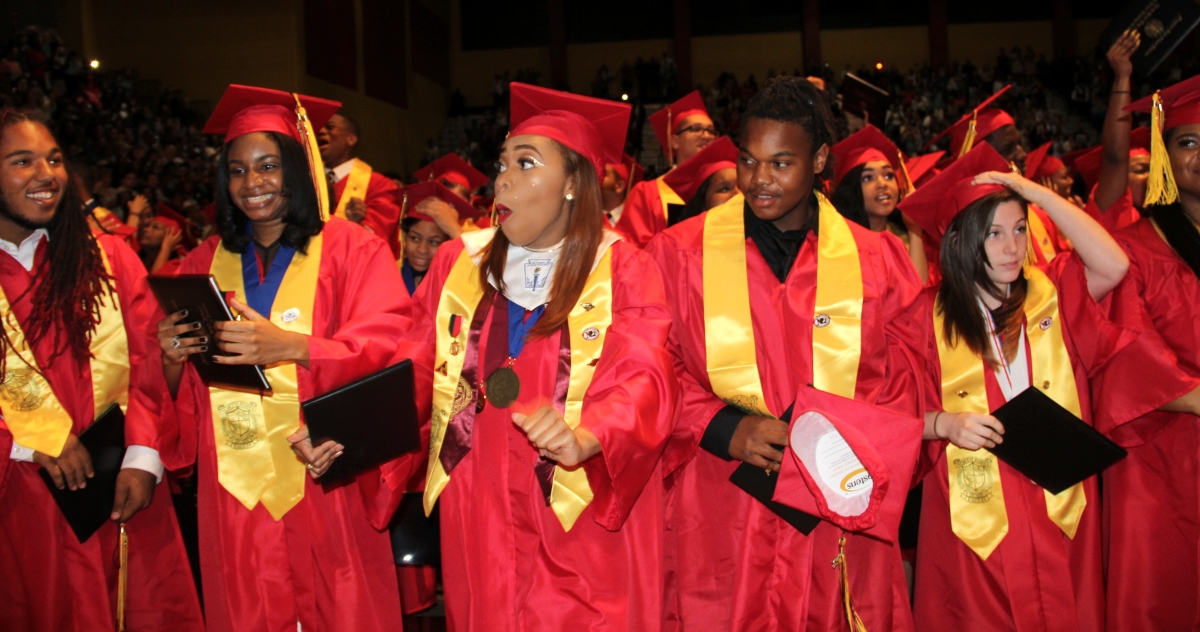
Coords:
570,197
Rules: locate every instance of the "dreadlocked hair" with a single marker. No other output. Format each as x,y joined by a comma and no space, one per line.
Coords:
70,281
796,100
585,230
964,275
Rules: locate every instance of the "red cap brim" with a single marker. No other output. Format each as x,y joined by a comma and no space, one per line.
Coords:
687,177
453,168
414,194
246,109
934,204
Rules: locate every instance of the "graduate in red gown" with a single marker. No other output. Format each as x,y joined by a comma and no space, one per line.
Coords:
771,292
276,548
619,179
995,550
363,195
997,128
81,315
1152,503
553,392
462,180
868,181
683,128
708,180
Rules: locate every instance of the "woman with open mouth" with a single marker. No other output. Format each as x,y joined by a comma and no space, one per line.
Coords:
549,499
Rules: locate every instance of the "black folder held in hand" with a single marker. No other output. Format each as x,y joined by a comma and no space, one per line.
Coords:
761,486
1053,447
87,509
205,303
374,418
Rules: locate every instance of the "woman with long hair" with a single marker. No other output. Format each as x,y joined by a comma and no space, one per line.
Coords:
998,326
322,304
552,390
867,186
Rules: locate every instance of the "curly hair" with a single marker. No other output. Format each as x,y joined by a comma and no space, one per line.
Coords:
69,281
796,100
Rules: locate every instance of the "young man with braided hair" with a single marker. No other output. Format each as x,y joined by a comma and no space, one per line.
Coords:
78,327
783,308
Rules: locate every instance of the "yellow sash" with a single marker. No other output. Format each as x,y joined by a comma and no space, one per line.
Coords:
977,513
729,331
356,186
571,493
667,195
254,459
35,417
1040,236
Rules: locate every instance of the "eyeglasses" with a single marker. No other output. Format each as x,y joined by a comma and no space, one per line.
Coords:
698,130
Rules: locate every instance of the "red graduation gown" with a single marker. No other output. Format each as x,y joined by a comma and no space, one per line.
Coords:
48,580
732,564
643,216
1037,578
1152,501
507,564
1122,213
383,208
328,561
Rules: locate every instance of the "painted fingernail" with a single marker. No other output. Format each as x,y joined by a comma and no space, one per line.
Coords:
204,348
183,312
195,325
203,339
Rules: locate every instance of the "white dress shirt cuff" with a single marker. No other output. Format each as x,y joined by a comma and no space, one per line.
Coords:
21,453
143,458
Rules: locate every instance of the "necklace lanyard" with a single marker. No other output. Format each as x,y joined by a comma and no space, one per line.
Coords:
998,349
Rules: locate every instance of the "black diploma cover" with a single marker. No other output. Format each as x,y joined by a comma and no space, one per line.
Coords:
205,303
374,418
761,486
1051,446
87,509
1163,24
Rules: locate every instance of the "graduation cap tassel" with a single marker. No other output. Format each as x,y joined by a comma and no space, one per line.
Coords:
1160,187
400,226
839,562
969,139
122,578
670,133
308,139
908,185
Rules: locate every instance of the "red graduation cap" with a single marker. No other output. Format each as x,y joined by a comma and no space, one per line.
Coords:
1042,164
454,169
414,194
976,124
920,166
629,170
593,127
936,203
174,218
849,462
1087,161
1168,108
245,109
866,145
687,177
666,122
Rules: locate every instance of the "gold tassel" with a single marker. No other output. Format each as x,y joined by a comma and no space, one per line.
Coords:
839,562
908,183
122,578
1160,187
670,135
400,226
969,139
308,139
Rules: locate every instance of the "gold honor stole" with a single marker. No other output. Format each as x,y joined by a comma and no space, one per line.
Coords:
667,196
977,513
35,417
570,494
729,331
255,462
1039,235
356,186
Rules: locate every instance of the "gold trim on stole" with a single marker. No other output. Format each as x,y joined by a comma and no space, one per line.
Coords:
977,511
729,330
32,412
1039,236
587,325
255,461
356,186
667,195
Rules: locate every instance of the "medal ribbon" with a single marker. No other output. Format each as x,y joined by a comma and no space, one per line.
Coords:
255,461
570,493
977,512
457,441
32,412
667,196
356,186
729,331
